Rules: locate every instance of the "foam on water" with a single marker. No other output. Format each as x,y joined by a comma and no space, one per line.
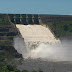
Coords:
45,48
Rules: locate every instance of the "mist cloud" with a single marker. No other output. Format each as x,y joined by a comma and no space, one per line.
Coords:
55,52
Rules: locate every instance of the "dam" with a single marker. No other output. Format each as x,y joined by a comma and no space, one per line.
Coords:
32,30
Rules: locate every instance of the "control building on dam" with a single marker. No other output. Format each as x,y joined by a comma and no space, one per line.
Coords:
24,19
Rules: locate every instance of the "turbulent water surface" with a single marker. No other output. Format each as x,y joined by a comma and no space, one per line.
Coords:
41,50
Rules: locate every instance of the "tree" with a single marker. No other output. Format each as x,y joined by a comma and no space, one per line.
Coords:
10,68
65,28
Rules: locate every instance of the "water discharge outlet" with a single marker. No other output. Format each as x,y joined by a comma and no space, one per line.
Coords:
37,38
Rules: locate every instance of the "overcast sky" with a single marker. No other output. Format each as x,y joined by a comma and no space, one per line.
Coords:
61,7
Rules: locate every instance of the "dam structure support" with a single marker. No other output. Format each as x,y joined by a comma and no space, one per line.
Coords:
24,19
32,30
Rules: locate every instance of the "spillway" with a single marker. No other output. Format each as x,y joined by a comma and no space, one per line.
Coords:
43,57
35,34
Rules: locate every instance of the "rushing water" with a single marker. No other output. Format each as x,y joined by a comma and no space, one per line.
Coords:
55,52
42,53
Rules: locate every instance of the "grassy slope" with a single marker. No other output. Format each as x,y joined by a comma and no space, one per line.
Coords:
7,51
61,27
4,20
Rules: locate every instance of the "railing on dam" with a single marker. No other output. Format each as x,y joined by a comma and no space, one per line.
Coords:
24,19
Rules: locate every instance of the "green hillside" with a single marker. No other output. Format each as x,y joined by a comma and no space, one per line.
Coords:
7,32
61,25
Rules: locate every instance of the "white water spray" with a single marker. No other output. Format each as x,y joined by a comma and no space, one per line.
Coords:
54,52
46,51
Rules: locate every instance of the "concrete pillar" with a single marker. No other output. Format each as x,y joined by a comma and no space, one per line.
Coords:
40,21
20,21
26,18
33,19
20,18
14,19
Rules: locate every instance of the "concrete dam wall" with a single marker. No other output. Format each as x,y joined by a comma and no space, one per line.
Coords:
32,29
24,19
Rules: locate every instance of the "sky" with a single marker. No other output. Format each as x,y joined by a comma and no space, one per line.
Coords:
57,7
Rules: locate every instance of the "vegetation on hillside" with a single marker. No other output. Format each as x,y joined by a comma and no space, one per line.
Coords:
4,20
7,51
9,68
60,25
